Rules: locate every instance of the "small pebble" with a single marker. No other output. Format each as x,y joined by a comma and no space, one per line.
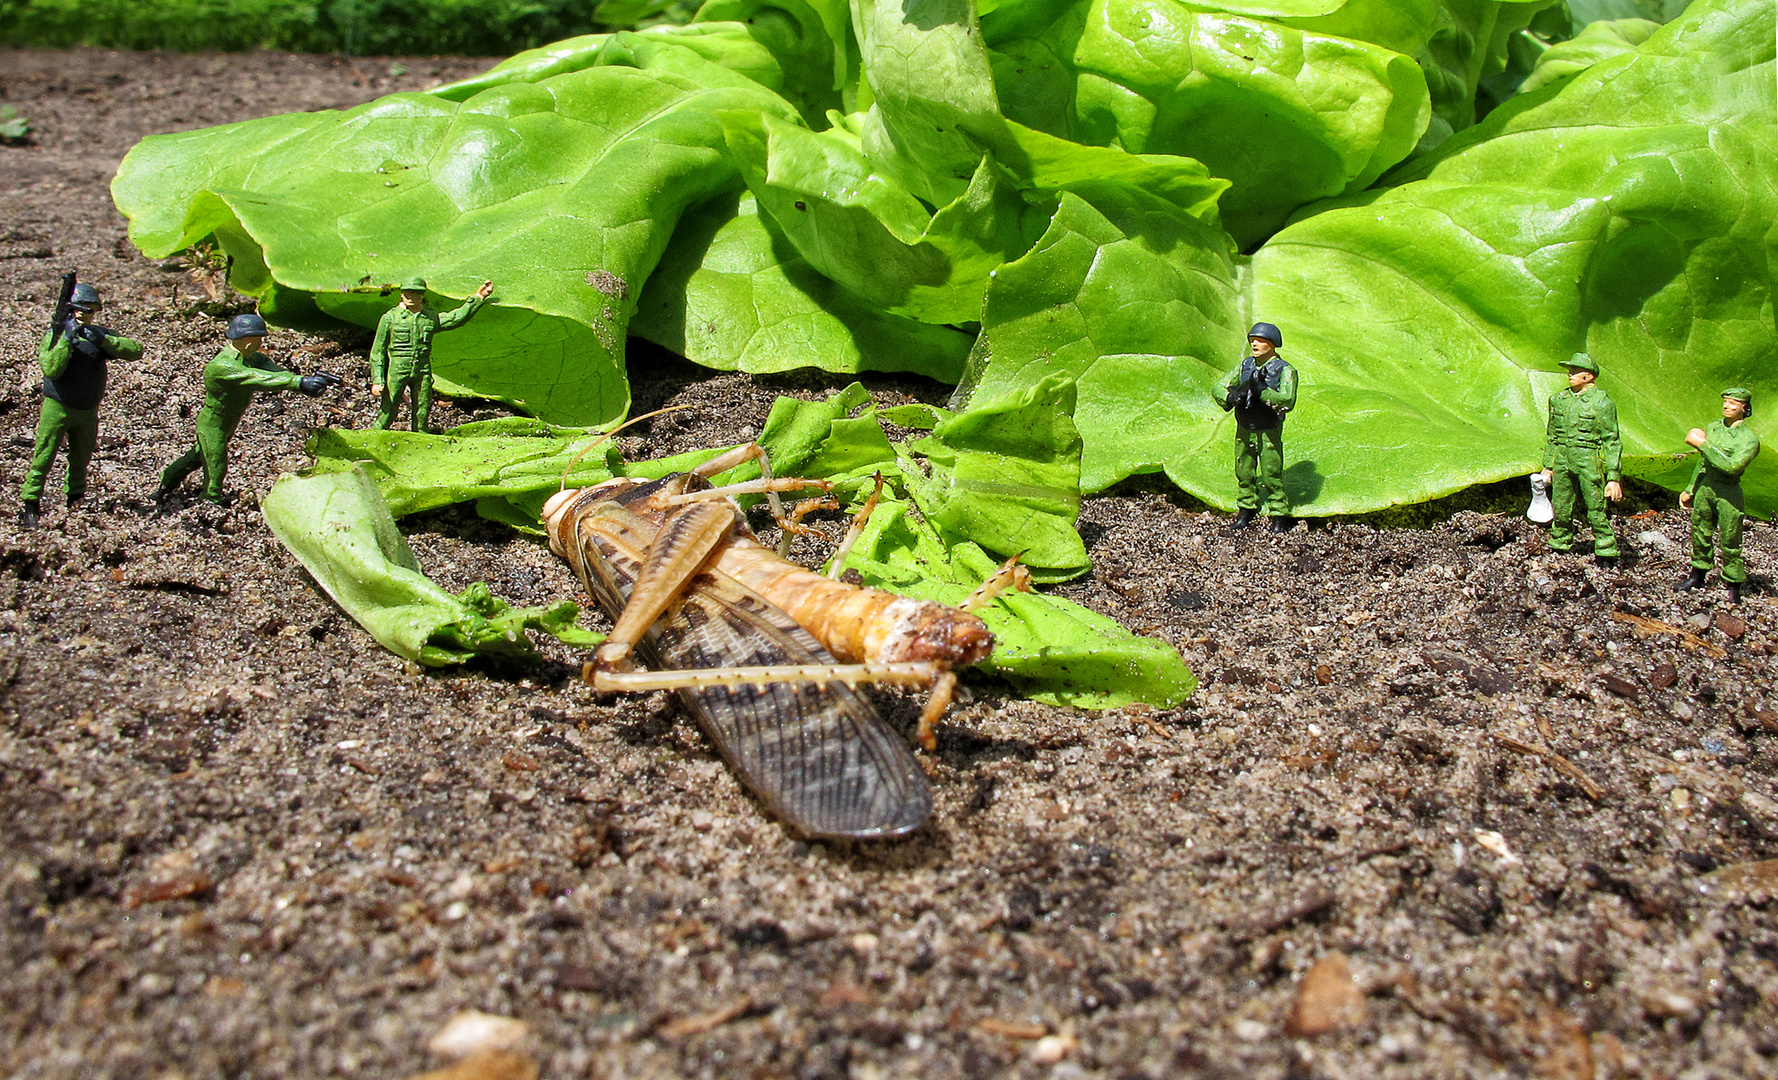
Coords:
474,1032
1665,1004
1250,1030
1328,999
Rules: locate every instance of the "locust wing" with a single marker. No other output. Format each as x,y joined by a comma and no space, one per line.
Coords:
819,756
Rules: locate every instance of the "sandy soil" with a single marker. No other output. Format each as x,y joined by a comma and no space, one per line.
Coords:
240,840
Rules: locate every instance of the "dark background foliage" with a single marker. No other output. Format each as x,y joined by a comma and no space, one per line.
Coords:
353,27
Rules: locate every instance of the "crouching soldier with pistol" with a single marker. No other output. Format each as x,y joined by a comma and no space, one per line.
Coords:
1726,448
230,381
1260,392
73,355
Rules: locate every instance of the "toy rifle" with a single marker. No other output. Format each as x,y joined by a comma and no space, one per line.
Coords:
60,317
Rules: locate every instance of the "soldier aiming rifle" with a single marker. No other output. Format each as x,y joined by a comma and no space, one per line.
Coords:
73,355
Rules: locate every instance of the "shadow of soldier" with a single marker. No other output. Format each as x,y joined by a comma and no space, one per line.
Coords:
1303,483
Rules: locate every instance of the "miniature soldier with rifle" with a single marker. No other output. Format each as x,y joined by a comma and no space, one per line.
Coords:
1260,392
73,356
230,381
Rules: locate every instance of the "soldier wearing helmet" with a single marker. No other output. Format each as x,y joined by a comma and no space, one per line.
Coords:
1581,456
1260,392
73,358
401,355
1726,448
230,381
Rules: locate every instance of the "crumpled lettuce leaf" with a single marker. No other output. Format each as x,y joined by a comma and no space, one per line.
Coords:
869,233
1134,300
732,293
1629,213
1598,41
1627,210
1286,115
337,519
563,191
1054,651
338,526
1006,476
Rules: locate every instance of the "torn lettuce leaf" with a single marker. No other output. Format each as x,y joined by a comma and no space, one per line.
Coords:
338,526
337,522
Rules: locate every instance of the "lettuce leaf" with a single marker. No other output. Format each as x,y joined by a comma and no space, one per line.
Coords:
340,529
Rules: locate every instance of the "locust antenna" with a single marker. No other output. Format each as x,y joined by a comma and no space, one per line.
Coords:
605,438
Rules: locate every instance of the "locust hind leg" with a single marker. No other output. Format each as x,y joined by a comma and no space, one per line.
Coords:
941,679
687,537
903,673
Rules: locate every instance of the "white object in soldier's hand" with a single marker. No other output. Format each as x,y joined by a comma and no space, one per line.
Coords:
1540,510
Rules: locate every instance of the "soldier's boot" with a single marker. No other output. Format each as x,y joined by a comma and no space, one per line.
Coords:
1283,523
1244,517
1692,581
1607,561
72,499
1734,588
28,514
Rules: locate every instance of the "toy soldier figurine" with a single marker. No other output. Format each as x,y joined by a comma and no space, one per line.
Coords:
401,356
73,358
1581,455
1727,447
73,355
1260,392
230,381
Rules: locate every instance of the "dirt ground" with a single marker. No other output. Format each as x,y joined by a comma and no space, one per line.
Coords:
241,840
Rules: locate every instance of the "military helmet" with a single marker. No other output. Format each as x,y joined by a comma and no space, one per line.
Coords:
1269,332
414,284
245,326
84,297
1580,361
1743,395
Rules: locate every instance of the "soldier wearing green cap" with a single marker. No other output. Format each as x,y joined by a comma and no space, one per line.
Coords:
73,357
401,356
1725,448
1581,455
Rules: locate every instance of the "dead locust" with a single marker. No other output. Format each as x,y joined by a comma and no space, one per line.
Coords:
765,653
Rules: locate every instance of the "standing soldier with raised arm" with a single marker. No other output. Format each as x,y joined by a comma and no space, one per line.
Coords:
401,356
1260,392
1727,447
72,355
1581,455
230,381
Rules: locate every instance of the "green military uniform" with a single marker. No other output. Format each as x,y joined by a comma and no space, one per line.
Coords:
1259,433
230,381
1583,451
1717,501
73,384
401,355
